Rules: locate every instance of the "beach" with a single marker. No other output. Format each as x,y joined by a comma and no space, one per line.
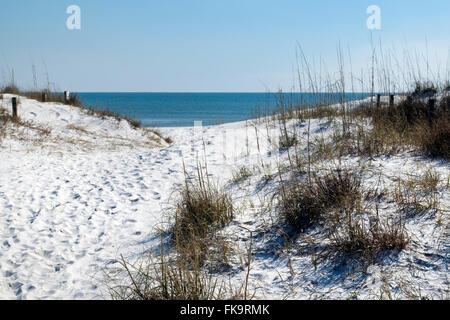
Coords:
88,190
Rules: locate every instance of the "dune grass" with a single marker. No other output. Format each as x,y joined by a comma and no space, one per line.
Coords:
202,208
164,278
305,202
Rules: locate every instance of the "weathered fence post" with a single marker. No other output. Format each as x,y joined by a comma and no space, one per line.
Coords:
378,101
391,100
66,97
432,105
44,97
431,110
14,108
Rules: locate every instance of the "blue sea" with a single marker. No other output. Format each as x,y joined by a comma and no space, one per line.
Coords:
182,109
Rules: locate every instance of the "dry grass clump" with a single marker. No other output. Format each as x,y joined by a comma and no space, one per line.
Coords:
430,180
4,119
416,194
11,89
42,130
158,133
18,127
105,113
169,140
351,234
435,141
78,128
287,141
334,200
163,278
202,209
305,202
167,276
421,121
240,174
299,207
319,112
415,122
339,188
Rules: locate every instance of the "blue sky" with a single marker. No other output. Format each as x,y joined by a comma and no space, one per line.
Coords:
202,45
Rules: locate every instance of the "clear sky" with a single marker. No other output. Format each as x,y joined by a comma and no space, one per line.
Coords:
202,45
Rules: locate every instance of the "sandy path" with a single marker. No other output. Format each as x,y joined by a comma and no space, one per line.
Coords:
63,218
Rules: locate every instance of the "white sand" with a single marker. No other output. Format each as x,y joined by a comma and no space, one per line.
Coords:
72,202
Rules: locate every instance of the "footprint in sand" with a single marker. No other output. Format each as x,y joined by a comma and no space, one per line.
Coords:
143,186
17,287
9,274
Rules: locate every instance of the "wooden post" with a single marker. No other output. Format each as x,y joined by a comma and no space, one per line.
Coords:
44,97
391,100
431,110
66,97
14,108
378,101
432,105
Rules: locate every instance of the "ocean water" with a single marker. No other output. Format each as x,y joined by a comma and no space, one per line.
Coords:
182,109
